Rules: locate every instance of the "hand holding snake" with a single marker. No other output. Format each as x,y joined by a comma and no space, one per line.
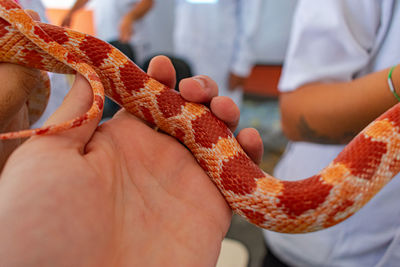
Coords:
325,199
108,196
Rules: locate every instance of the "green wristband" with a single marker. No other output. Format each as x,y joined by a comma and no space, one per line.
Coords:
391,86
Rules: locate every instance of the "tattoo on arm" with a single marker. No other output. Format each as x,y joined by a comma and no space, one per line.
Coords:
309,134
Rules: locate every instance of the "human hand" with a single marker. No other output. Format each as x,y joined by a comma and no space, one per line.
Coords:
235,81
126,28
226,110
18,83
67,20
120,194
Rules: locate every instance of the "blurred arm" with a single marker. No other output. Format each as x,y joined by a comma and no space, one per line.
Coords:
326,97
138,11
336,112
66,22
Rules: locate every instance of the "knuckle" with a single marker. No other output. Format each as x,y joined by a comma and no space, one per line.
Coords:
29,79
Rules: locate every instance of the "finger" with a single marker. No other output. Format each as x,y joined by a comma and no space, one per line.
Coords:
161,69
66,22
77,102
17,84
252,144
125,38
122,33
33,14
226,110
126,34
199,89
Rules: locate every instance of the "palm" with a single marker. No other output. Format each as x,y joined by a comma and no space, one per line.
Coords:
100,205
160,186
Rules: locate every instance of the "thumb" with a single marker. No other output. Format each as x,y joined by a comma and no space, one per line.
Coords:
77,102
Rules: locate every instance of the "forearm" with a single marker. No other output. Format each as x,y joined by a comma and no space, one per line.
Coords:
336,112
78,5
140,10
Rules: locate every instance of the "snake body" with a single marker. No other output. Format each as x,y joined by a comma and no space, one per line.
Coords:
325,199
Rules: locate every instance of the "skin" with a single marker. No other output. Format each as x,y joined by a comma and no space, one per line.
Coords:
109,196
126,26
67,20
18,82
235,81
334,112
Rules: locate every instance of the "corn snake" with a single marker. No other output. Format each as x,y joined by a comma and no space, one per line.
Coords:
318,202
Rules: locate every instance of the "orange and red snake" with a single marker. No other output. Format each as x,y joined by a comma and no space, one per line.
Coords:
325,199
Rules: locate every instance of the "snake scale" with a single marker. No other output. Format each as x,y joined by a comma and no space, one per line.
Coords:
366,164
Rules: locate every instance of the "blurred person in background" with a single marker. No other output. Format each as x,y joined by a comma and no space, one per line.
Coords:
215,38
334,82
121,24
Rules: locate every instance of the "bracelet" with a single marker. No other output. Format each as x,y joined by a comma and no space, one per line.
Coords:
391,86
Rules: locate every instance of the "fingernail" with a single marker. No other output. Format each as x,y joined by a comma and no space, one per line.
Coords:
202,81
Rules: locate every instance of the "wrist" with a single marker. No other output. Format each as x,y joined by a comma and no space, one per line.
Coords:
394,82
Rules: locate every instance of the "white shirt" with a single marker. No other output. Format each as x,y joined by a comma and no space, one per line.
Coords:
338,40
107,18
215,37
